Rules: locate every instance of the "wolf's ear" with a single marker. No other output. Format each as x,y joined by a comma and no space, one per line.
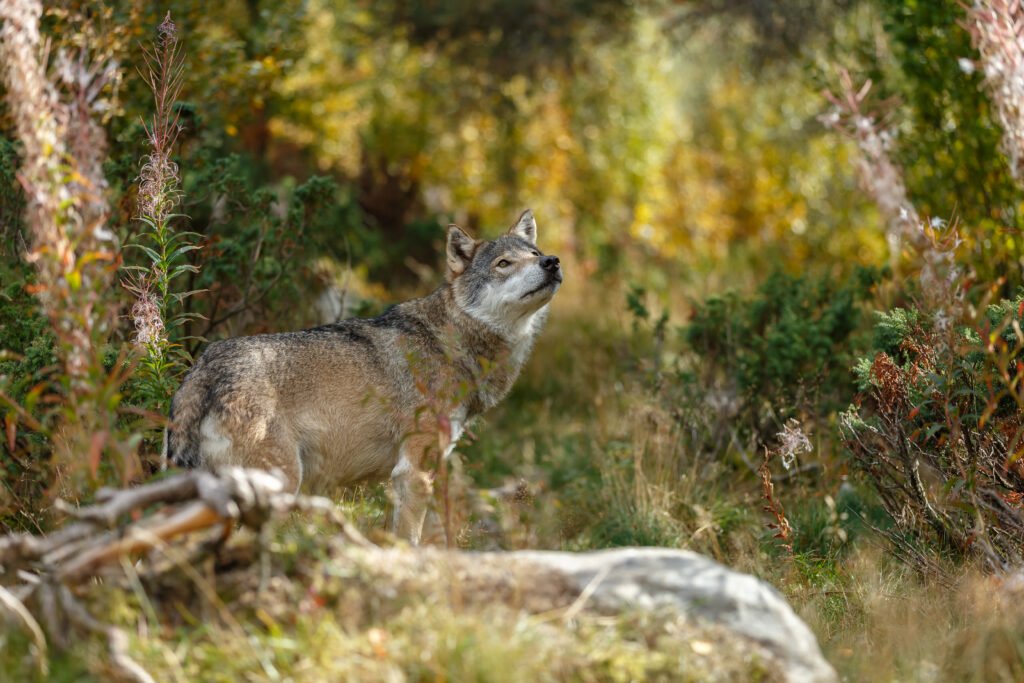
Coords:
459,251
525,227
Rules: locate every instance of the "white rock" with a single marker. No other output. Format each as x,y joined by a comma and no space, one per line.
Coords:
648,578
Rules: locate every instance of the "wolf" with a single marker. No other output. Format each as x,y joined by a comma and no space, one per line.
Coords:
372,398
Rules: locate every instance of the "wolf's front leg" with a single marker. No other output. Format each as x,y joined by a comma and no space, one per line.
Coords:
412,491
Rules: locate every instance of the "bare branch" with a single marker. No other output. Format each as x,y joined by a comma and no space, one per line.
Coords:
184,504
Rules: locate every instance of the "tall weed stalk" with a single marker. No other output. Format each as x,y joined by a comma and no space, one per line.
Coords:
154,312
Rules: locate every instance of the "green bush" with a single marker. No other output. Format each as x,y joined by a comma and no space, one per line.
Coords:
12,200
785,349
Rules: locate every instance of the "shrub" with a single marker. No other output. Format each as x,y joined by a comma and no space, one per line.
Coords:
259,243
937,429
783,350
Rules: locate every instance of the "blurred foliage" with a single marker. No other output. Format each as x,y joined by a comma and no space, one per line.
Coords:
780,29
635,137
27,360
508,37
590,112
928,90
12,202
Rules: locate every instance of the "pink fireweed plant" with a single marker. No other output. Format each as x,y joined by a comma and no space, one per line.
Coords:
165,249
879,176
932,242
53,101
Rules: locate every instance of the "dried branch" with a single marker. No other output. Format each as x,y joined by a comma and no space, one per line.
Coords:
773,506
46,568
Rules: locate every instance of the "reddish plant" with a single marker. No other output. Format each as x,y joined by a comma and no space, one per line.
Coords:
792,442
773,506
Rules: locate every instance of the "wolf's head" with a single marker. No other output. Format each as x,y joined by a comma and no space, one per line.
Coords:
502,282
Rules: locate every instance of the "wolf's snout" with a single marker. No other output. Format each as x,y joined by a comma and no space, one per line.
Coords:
549,263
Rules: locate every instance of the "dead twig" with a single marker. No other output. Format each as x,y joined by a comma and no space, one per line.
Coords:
773,506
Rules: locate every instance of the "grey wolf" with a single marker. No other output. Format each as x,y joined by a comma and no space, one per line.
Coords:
372,398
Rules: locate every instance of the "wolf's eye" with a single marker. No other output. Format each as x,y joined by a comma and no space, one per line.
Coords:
503,263
535,252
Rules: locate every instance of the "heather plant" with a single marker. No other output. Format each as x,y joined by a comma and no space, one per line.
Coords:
937,430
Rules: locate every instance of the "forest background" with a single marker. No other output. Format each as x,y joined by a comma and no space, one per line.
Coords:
789,335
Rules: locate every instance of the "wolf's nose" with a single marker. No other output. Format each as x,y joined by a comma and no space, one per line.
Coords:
549,263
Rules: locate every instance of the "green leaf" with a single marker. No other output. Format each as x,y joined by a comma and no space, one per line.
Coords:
184,249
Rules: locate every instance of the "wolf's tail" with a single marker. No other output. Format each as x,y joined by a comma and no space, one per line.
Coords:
187,409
